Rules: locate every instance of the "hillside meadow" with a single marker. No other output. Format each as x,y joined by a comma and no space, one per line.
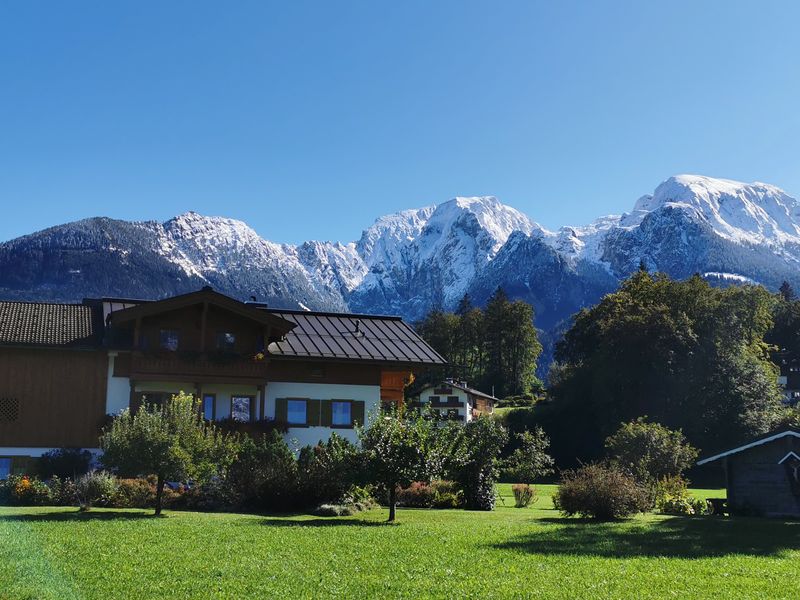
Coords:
509,553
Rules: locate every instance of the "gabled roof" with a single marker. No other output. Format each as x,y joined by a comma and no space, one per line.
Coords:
765,439
464,388
48,324
339,336
208,295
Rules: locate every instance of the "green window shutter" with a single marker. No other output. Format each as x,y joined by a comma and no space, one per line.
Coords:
326,413
281,410
358,412
312,413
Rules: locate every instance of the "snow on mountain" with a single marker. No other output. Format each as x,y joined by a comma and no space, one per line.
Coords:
411,261
755,213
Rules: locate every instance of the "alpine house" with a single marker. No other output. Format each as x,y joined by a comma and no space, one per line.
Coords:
65,367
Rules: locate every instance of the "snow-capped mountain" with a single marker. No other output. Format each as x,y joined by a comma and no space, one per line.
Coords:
414,260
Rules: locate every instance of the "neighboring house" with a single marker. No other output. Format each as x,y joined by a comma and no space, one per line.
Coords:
789,378
65,367
763,477
454,400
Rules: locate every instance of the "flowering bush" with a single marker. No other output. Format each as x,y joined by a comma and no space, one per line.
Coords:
21,490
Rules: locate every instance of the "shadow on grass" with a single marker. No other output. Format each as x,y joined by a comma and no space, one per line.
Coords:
106,515
677,537
324,522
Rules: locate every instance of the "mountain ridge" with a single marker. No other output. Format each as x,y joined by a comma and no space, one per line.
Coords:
414,260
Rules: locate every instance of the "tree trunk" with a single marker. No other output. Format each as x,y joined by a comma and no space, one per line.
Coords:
159,493
392,502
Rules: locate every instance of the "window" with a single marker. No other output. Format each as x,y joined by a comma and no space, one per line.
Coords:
5,468
226,341
241,407
209,406
341,413
433,399
296,412
169,339
452,399
452,414
9,410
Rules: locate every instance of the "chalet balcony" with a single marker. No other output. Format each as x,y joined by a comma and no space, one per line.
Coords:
449,403
197,366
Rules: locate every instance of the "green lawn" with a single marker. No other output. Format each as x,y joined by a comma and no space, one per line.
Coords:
58,553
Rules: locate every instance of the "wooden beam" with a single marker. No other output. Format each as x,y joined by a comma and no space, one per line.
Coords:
261,415
203,321
137,332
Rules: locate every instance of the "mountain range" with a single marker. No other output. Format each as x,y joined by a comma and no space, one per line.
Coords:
412,261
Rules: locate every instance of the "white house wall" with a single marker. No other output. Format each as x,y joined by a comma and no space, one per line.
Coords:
118,389
309,436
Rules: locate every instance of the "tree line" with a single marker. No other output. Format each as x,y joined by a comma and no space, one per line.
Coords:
495,348
694,357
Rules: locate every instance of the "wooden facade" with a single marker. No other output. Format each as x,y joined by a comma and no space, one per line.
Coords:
763,477
758,483
60,397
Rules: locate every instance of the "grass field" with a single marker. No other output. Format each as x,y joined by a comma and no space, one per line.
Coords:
58,553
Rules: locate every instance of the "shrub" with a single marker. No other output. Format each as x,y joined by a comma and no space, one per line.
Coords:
63,491
64,463
418,495
650,451
363,495
600,492
326,471
446,494
134,493
474,461
21,490
524,495
96,488
210,496
264,475
530,459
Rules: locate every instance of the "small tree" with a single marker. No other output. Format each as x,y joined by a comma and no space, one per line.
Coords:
170,441
474,461
396,449
650,451
530,460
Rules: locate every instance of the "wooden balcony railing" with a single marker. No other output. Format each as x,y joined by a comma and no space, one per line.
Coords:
200,365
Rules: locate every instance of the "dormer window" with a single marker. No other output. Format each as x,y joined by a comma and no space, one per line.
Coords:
226,341
168,339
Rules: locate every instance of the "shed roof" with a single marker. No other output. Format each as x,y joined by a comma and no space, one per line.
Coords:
341,336
765,439
49,324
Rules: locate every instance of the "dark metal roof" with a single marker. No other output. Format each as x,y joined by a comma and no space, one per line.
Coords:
45,324
352,337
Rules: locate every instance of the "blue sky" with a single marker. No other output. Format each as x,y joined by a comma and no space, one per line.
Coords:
310,119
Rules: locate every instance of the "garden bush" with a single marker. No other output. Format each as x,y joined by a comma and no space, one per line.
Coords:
326,471
134,493
601,492
264,475
96,488
63,491
22,490
418,495
475,460
446,494
64,463
524,495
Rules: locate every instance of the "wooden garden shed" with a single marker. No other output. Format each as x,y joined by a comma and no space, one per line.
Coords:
763,476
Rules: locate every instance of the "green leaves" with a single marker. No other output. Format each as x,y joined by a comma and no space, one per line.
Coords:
172,442
689,355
